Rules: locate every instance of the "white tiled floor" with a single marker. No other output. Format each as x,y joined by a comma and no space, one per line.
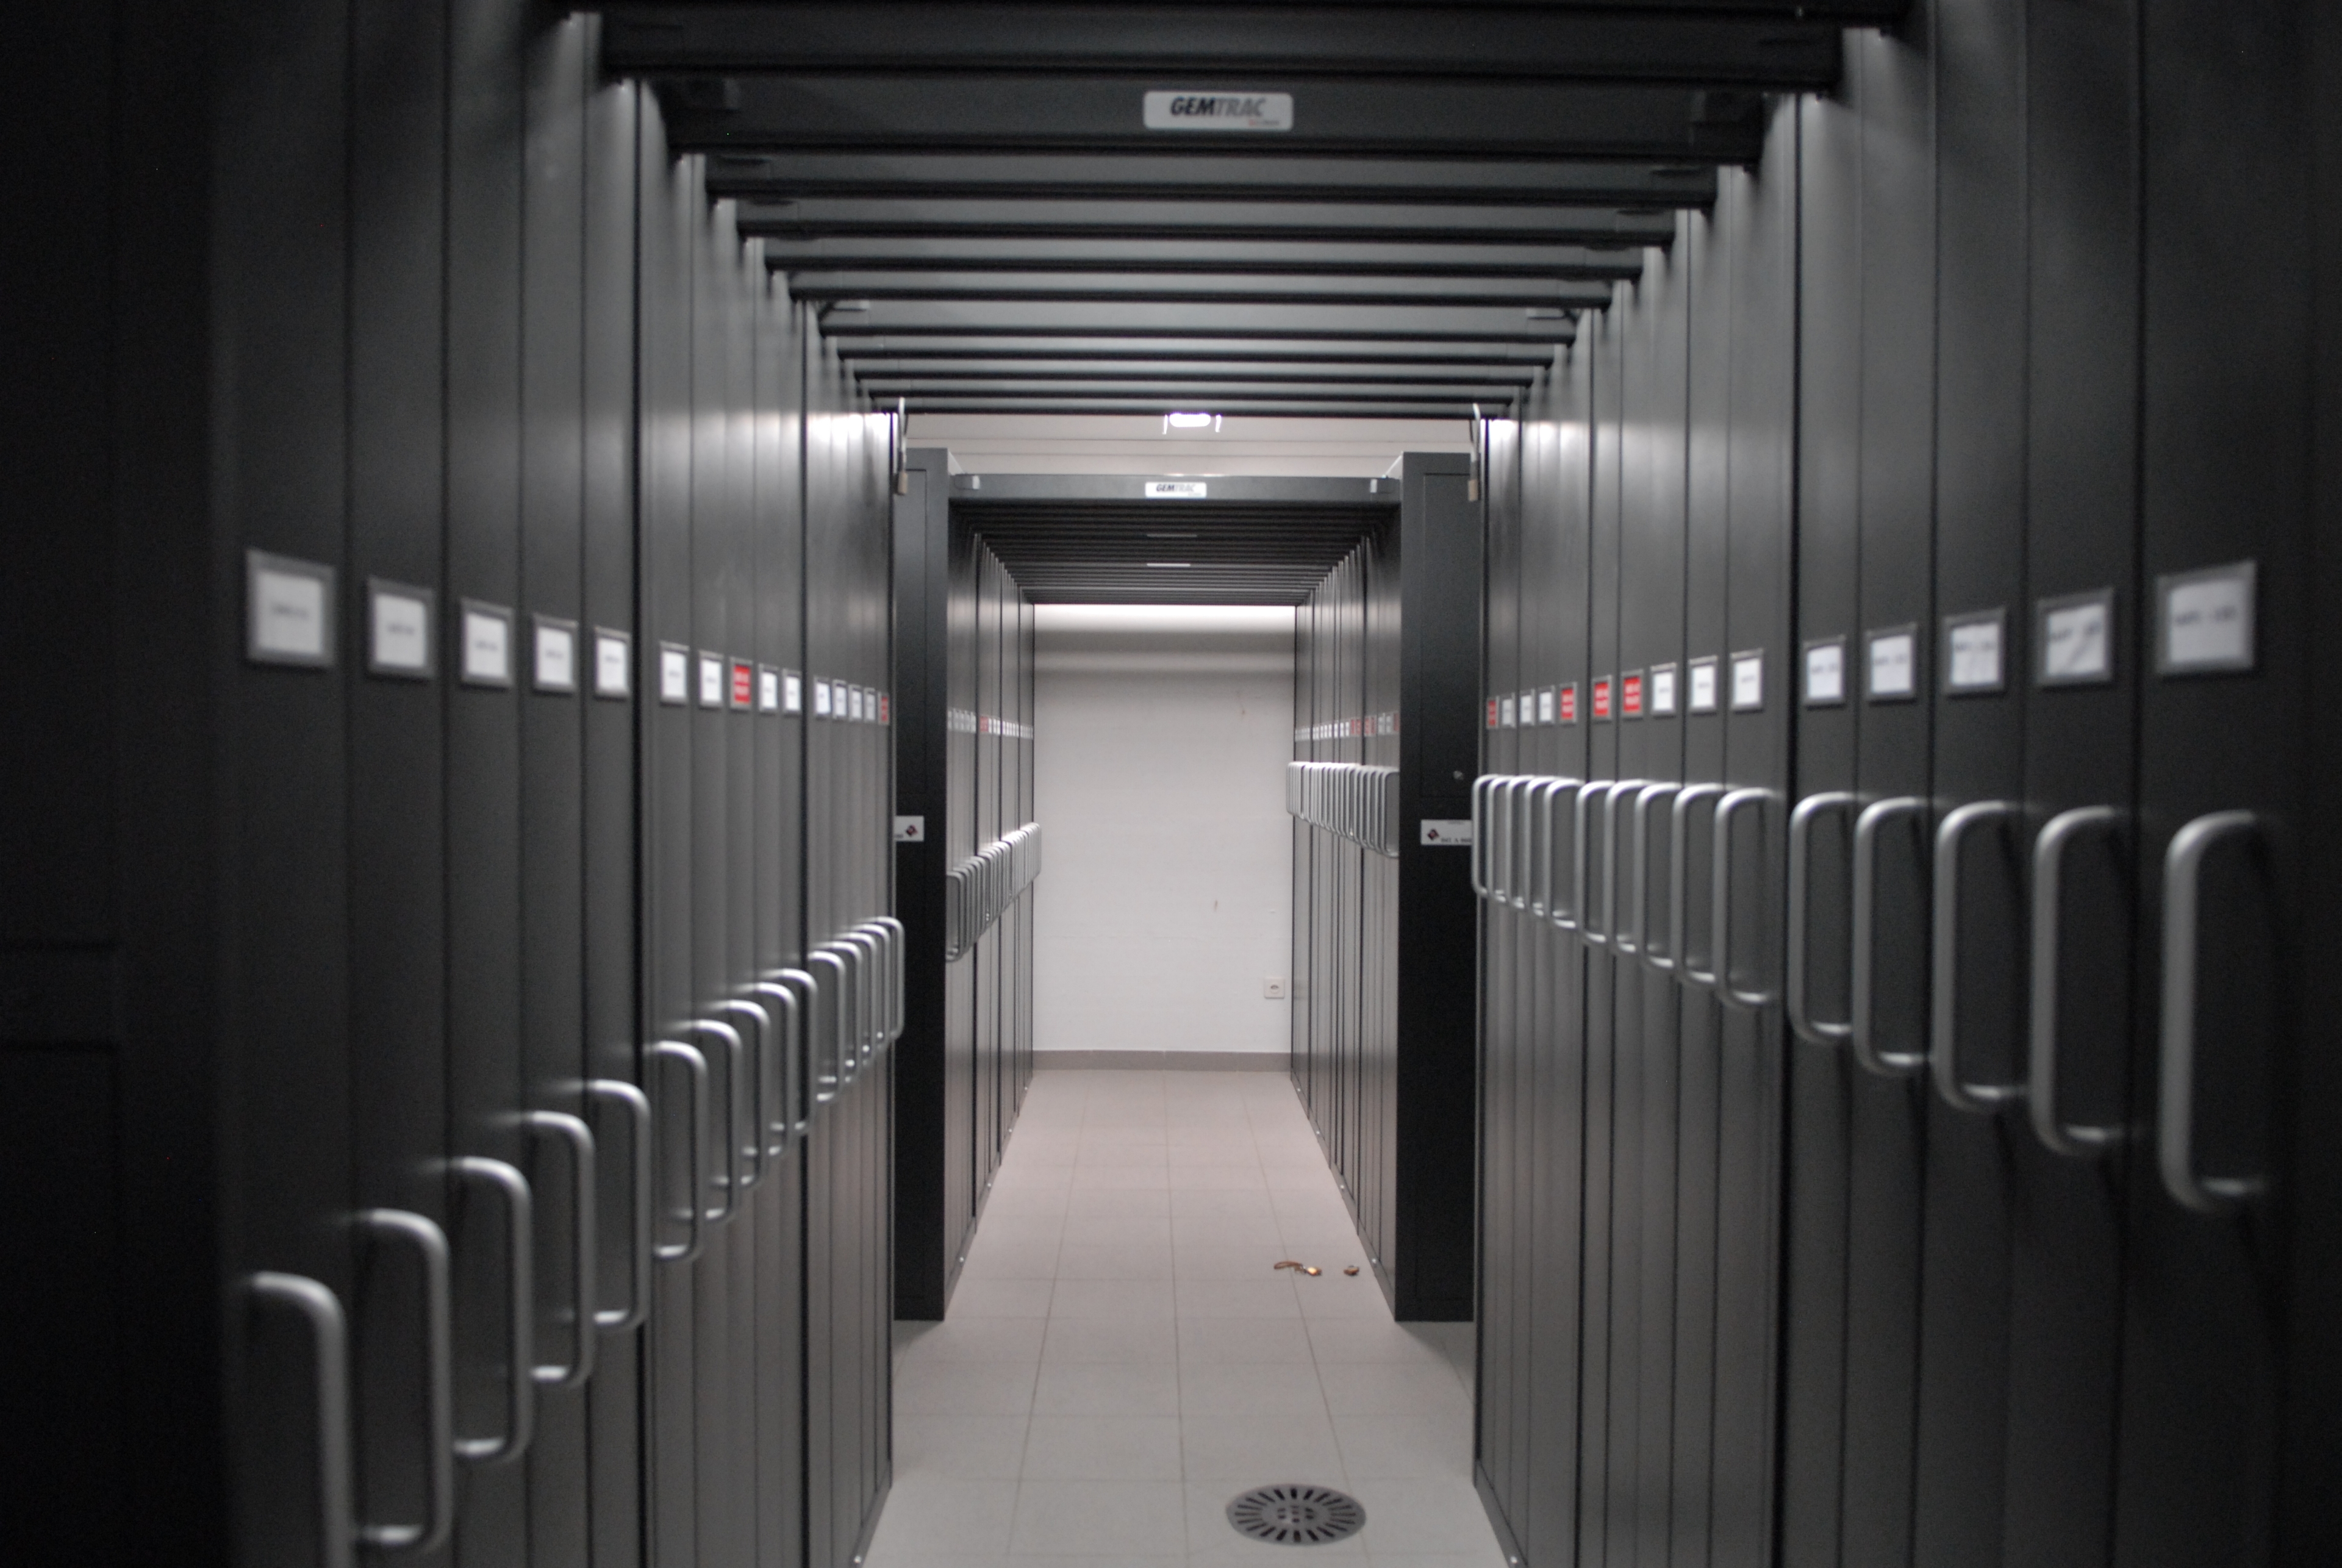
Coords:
1121,1359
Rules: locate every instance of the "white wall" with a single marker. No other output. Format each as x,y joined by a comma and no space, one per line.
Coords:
1165,899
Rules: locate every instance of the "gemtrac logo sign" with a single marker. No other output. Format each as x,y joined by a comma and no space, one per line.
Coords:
1219,111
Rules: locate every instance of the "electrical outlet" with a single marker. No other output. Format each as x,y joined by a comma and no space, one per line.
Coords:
1273,988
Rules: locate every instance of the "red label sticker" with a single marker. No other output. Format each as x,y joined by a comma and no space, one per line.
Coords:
885,708
1630,696
743,685
1569,704
1492,713
1602,698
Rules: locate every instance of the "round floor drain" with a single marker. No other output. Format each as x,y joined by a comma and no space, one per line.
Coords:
1297,1515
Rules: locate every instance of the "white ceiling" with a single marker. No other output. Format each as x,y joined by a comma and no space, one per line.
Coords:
1139,443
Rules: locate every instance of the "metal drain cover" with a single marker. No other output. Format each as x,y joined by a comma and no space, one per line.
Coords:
1297,1515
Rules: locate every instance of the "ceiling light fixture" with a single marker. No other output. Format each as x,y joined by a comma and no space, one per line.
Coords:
1168,565
1190,420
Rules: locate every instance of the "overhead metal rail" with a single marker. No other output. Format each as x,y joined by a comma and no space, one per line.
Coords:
1761,47
1183,175
863,352
1190,394
1424,258
1232,372
1138,319
1198,288
1045,112
974,218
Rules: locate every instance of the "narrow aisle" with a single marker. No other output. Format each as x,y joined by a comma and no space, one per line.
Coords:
1122,1359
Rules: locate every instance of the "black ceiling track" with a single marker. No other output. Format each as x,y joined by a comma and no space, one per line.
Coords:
1433,193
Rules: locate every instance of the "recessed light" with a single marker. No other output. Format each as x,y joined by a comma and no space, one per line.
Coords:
1187,421
1168,565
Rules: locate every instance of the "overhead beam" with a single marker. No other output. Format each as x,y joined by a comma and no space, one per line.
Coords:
877,348
1404,118
1197,288
946,372
1164,175
1328,408
1258,257
1325,222
1418,323
1205,394
1558,43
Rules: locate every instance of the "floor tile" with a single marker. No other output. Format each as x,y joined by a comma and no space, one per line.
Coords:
1441,1516
1256,1291
1126,1299
1406,1447
1111,1339
1001,1298
996,1339
1108,1388
935,1514
991,1260
1097,1517
1243,1341
1248,1451
967,1388
1372,1389
1103,1448
959,1448
1370,1339
1115,1261
1272,1388
1212,1539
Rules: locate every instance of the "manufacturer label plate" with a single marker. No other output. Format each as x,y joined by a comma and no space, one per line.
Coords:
1187,111
1447,832
1176,490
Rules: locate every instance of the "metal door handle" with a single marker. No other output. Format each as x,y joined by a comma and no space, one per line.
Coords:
1479,861
1641,872
735,1056
1540,854
1810,810
1720,939
321,1310
1500,843
692,1212
1678,879
2056,1134
1520,803
829,1075
806,990
520,1309
1862,1028
1587,794
1565,919
379,1226
585,1237
752,1148
898,948
639,1220
1943,985
865,948
1608,935
2183,873
774,1080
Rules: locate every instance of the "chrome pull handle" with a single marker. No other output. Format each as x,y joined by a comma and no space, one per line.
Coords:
584,1235
1943,985
1809,810
2049,1124
321,1311
1549,806
639,1217
692,1212
1719,914
869,1022
1500,844
2183,873
798,1077
774,1080
1518,802
1610,928
384,1226
1479,861
735,1052
1588,793
1678,879
1640,870
472,1170
758,1069
897,942
1862,1026
828,1075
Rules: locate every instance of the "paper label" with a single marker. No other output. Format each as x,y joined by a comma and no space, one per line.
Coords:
487,648
2077,639
401,633
290,610
675,676
1972,661
612,676
2207,620
1748,681
556,658
1703,686
1892,676
1663,690
711,681
1825,674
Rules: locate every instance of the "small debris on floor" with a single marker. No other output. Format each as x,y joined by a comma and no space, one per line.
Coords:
1312,1270
1353,1269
